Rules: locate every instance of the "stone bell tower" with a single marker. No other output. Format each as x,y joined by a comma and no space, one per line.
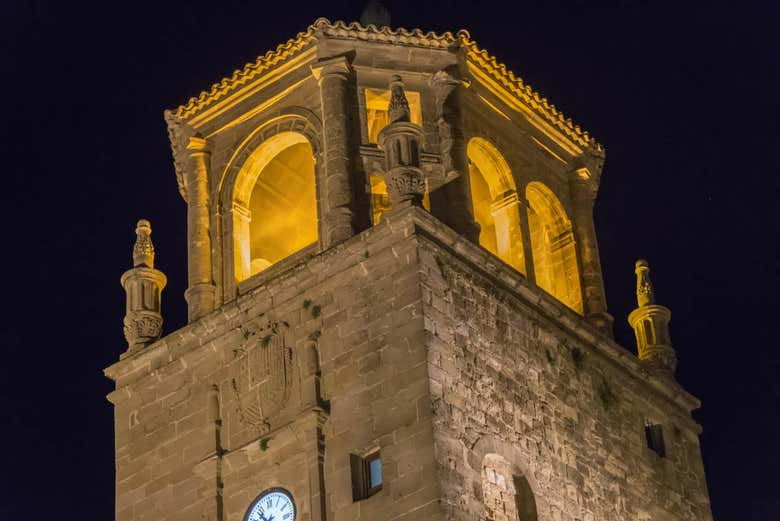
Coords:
396,306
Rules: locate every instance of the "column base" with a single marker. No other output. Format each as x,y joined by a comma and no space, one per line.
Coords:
200,300
602,321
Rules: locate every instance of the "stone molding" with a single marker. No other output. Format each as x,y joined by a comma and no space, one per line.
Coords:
323,28
202,333
293,119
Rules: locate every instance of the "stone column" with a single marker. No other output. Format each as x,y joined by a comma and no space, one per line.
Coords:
506,212
525,231
333,75
201,291
452,202
594,300
242,220
143,285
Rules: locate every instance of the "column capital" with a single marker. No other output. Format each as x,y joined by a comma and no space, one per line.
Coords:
585,185
338,66
443,82
198,146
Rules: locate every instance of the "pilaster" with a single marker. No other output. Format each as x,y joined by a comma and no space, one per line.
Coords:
200,293
507,217
451,203
333,75
594,301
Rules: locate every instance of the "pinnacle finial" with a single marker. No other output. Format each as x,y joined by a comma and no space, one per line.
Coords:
399,106
143,250
644,288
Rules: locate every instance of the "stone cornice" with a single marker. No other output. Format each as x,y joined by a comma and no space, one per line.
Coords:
204,332
324,29
523,92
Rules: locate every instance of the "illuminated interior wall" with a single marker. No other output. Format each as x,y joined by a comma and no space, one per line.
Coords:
380,200
495,202
552,244
275,204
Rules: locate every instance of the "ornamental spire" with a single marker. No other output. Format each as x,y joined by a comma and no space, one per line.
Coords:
399,105
651,326
401,140
143,285
143,250
644,288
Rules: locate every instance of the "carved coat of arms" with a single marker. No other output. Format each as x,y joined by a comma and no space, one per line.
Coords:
261,375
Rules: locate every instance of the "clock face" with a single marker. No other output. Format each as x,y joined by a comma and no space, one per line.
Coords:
275,504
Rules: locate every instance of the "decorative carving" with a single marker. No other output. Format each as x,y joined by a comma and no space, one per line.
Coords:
179,134
644,288
144,285
443,84
661,358
142,327
399,106
400,141
261,375
405,184
143,249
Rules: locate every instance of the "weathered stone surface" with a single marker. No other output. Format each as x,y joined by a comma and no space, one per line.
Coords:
486,397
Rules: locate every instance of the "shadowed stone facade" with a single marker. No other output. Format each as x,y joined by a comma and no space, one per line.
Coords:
486,392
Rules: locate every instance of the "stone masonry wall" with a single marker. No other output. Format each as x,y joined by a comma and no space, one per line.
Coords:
353,314
404,338
507,379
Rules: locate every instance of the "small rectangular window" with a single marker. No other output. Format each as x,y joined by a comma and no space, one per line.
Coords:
366,475
654,435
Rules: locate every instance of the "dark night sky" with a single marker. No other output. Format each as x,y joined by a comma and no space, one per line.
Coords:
685,100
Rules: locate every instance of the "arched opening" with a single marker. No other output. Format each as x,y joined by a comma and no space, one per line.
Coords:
506,493
495,202
552,246
274,203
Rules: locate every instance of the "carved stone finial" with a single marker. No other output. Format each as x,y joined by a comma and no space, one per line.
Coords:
399,105
143,285
650,322
401,141
644,288
143,250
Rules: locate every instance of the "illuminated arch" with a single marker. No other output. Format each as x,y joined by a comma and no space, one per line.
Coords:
273,202
495,202
552,246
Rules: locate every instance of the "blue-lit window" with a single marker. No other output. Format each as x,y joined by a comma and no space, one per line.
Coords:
366,475
375,472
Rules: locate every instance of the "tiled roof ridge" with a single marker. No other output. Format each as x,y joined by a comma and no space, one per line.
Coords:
239,77
525,92
370,32
416,37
